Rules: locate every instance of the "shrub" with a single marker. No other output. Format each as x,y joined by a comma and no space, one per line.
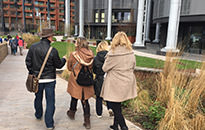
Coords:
30,39
154,114
54,39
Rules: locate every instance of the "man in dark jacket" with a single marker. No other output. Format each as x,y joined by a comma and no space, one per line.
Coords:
34,60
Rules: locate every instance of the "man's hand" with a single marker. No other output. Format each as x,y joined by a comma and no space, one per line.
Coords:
64,57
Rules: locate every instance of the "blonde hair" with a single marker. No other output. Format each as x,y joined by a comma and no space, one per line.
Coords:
121,39
81,43
102,46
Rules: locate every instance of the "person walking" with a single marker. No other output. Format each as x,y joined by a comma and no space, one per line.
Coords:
13,46
1,40
101,50
83,56
21,45
34,61
120,82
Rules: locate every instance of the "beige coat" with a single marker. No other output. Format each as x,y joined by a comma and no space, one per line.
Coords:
120,82
85,57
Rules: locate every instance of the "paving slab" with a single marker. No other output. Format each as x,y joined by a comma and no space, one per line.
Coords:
16,103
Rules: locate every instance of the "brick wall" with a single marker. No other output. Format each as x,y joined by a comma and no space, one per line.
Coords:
3,51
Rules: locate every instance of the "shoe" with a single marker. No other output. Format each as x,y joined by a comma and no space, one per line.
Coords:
87,121
112,127
71,114
38,119
99,117
124,128
51,128
110,113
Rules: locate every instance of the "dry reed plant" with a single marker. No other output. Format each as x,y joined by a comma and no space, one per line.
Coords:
181,92
197,122
65,74
142,102
196,90
174,115
165,81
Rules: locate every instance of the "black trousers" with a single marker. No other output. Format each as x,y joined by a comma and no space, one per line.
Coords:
99,107
85,105
118,117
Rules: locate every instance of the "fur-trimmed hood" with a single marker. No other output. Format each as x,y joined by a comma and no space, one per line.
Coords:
84,56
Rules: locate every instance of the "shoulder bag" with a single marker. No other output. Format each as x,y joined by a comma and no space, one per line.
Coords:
32,80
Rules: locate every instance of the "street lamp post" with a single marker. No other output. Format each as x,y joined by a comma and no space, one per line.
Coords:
39,14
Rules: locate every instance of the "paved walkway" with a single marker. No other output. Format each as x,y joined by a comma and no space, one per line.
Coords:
16,104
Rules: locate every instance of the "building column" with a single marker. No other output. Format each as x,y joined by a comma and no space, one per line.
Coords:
139,27
149,5
157,32
109,20
81,19
67,18
76,30
172,33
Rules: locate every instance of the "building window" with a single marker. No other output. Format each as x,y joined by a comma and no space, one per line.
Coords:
61,5
121,16
102,17
61,11
52,5
99,16
96,16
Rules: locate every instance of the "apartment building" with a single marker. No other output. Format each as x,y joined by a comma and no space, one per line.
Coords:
35,10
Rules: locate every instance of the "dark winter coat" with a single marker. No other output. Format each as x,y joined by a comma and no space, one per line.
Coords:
36,56
97,69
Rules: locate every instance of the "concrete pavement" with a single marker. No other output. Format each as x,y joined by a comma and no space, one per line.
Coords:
16,103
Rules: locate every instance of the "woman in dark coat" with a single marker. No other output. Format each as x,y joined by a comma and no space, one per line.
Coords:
101,50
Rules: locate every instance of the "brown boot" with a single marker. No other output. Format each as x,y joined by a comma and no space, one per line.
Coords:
71,114
87,121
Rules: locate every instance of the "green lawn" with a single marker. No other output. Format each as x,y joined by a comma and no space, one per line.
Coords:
65,48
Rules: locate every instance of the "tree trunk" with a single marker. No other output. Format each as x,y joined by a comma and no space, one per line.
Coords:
16,6
24,17
2,16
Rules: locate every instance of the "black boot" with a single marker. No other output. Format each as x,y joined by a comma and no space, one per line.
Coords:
71,114
124,128
113,127
87,121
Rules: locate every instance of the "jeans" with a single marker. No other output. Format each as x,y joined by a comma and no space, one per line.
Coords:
85,105
99,107
50,102
118,117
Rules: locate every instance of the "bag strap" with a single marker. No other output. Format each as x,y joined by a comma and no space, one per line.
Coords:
74,68
44,62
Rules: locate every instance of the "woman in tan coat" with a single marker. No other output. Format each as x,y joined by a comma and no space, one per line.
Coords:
120,82
82,56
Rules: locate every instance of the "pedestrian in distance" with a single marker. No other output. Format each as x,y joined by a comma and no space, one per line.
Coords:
47,82
101,50
13,46
21,45
120,82
82,56
1,40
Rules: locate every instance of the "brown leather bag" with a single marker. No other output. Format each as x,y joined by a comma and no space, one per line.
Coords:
32,83
32,80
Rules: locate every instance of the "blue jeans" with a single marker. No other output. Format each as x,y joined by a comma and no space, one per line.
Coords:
50,102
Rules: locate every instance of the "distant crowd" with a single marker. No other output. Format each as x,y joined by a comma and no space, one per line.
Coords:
14,43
